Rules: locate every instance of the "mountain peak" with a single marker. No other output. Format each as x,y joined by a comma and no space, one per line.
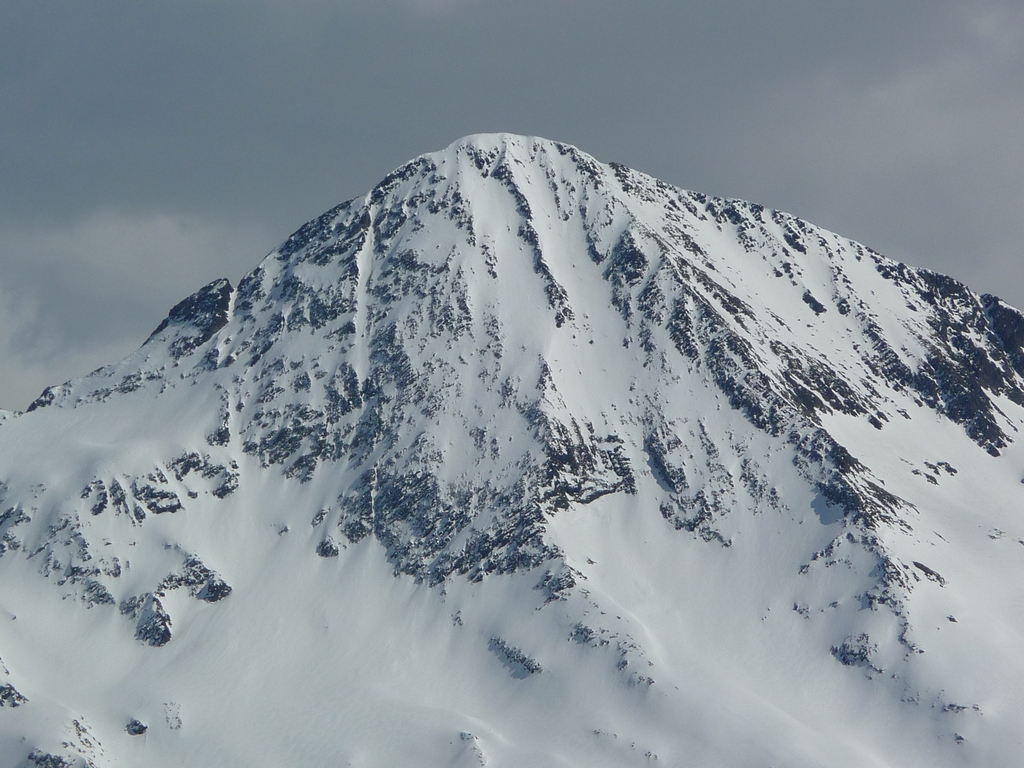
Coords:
525,148
451,427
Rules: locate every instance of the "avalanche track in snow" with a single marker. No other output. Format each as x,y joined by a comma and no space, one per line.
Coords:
525,459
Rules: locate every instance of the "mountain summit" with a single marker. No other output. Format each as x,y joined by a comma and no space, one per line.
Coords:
525,459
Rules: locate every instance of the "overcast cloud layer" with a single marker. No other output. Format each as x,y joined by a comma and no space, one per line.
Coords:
149,148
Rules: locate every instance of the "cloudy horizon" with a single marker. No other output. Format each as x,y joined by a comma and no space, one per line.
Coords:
151,148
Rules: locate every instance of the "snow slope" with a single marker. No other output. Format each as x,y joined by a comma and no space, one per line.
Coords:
523,459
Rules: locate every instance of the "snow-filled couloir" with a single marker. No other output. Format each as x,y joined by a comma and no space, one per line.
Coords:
524,459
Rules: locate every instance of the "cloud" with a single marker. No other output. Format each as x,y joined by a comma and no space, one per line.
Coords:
997,27
436,7
25,372
78,296
930,163
922,160
897,124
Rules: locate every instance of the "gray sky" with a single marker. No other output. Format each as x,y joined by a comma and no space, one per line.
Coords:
148,148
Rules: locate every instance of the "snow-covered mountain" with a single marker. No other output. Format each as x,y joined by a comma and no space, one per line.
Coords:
526,460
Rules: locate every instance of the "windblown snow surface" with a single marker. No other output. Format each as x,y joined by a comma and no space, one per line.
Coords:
526,460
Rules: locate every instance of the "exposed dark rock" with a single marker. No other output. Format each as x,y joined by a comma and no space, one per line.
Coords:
930,574
156,499
9,696
519,664
197,318
855,651
201,582
813,303
152,622
327,548
192,462
1007,326
46,398
46,760
95,593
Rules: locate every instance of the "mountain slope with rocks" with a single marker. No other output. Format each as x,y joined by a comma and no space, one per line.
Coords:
525,459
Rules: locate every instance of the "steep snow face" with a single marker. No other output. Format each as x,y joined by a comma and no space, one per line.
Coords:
526,459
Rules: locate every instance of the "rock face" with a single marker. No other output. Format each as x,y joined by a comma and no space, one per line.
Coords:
676,452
